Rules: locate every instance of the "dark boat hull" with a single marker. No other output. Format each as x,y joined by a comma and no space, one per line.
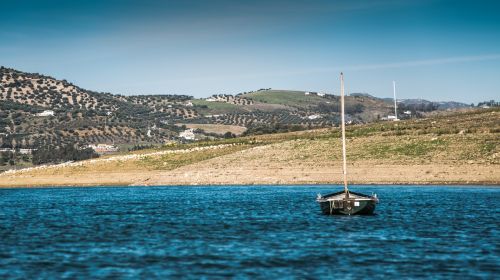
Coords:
359,205
364,208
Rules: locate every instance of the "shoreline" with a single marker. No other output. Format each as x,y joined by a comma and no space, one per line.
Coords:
214,172
420,184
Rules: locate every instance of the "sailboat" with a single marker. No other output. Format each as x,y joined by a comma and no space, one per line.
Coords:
346,202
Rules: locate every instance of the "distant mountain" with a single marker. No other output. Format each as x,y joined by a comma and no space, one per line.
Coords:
362,94
439,105
442,105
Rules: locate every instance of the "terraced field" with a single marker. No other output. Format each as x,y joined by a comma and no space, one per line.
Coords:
285,97
218,128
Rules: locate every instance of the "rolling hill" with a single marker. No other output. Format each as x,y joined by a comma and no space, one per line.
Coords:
39,111
460,148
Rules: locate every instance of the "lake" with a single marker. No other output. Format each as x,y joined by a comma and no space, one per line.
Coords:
247,232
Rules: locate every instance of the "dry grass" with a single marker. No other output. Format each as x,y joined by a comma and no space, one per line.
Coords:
453,149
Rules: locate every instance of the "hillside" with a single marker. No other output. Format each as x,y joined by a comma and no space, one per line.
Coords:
40,92
86,117
79,116
285,108
459,148
38,111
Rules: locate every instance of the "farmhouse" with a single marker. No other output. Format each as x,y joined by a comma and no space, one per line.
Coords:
103,148
187,134
313,117
392,118
26,151
46,113
21,151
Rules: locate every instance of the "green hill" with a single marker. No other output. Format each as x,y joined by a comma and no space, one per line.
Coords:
286,97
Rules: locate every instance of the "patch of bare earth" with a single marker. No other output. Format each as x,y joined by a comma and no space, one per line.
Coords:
318,162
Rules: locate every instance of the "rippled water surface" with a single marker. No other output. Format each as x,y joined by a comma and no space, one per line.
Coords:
247,232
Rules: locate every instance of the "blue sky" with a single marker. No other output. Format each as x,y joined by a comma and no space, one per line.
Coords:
434,49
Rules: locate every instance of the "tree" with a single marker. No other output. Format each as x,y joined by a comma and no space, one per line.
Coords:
3,158
229,135
49,154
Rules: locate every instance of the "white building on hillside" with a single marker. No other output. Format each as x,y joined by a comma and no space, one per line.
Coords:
46,113
26,151
187,134
313,117
21,151
103,148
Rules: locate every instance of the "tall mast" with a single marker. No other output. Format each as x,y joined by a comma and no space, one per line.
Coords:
395,102
346,190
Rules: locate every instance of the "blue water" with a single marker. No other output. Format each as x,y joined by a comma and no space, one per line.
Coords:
247,232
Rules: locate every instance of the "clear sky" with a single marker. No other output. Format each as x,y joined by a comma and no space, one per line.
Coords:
434,49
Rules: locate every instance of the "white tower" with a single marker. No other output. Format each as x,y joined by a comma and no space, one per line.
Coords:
395,100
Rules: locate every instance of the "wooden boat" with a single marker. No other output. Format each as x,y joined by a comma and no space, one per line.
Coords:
346,202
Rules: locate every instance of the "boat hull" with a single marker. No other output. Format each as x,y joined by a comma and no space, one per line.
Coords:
364,208
356,204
